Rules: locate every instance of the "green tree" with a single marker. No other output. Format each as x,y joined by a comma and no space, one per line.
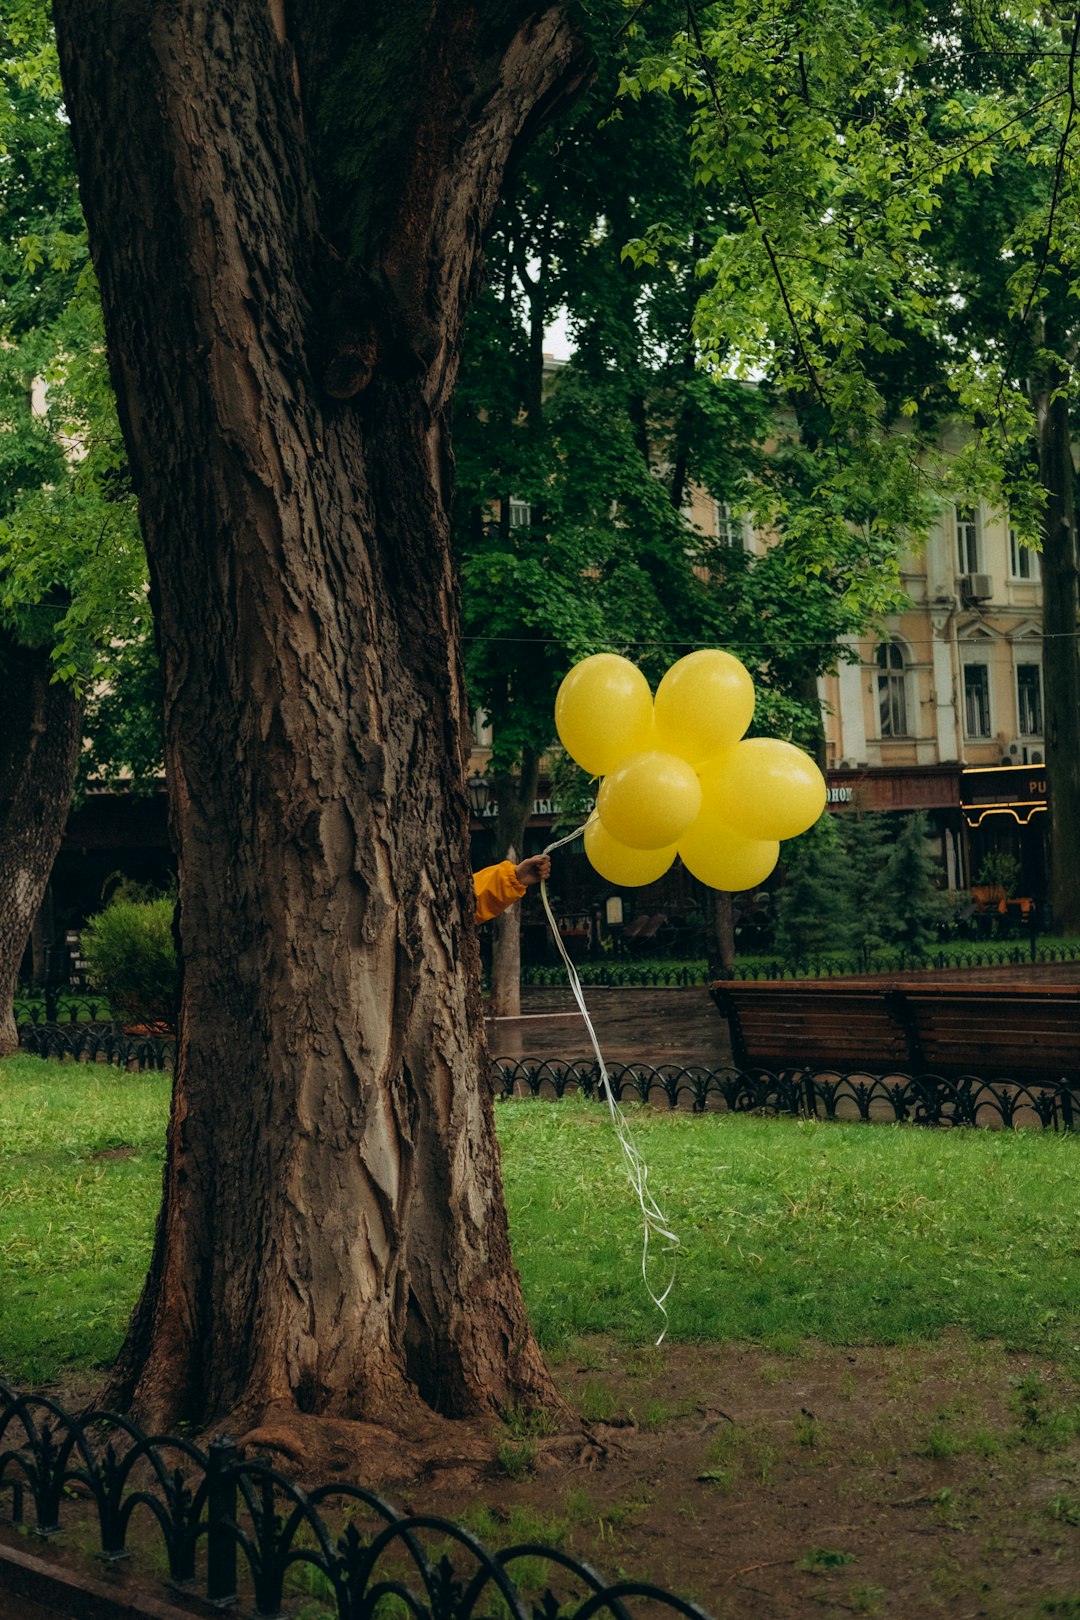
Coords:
866,841
909,882
904,246
72,572
574,482
816,902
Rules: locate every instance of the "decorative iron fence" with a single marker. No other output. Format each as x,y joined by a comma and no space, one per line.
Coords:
230,1524
920,1099
924,1099
98,1043
827,965
54,1004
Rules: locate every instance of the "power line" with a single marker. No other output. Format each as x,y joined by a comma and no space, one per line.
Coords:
687,641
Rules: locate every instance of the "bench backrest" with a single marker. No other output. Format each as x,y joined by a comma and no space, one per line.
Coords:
989,1030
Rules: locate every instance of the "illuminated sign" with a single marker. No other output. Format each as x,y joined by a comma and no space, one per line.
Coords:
1018,791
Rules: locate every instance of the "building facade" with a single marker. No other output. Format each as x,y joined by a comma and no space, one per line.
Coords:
942,710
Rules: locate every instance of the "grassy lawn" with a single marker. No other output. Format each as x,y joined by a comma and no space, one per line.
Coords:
851,1234
869,1397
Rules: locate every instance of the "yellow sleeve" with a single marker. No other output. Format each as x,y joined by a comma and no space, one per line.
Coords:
495,888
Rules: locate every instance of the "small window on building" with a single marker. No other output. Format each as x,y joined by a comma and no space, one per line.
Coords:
729,530
967,540
892,690
1023,561
977,700
1029,699
520,513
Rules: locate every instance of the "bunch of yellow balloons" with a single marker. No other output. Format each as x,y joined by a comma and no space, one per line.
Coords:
679,776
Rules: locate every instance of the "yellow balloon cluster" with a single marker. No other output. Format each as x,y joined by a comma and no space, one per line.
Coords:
679,777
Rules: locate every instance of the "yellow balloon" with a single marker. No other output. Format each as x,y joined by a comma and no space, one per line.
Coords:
723,858
703,705
649,799
620,864
603,712
765,788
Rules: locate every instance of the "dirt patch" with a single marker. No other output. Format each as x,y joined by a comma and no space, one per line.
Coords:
900,1482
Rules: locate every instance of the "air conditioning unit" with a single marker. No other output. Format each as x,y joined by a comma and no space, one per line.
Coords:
976,587
1021,752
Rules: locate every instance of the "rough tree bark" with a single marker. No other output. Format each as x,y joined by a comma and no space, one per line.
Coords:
286,206
39,757
1061,654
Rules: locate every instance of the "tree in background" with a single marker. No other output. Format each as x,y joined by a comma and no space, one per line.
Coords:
575,482
816,902
866,837
859,884
72,573
915,906
903,246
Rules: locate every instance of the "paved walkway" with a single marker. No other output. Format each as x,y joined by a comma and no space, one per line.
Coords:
632,1026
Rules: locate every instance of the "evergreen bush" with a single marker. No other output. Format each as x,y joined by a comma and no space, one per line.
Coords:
132,958
916,906
866,845
815,907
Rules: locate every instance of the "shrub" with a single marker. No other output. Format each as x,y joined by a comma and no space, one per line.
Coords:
910,879
129,947
815,909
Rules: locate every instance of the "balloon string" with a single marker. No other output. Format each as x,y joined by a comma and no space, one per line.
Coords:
654,1220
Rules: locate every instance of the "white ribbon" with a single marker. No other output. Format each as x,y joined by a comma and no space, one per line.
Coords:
655,1221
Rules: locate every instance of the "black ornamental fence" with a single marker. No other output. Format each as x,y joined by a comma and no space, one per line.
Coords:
919,1099
617,973
922,1099
98,1042
234,1529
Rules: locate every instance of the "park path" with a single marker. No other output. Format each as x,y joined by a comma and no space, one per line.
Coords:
633,1026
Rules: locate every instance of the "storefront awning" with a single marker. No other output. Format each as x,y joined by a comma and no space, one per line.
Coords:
1018,791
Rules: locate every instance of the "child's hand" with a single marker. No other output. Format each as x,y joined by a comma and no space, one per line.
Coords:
532,870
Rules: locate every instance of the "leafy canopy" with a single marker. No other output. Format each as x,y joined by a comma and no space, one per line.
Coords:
72,567
837,139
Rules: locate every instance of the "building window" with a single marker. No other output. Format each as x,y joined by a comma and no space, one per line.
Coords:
1029,699
520,513
892,690
977,700
729,530
967,540
1023,562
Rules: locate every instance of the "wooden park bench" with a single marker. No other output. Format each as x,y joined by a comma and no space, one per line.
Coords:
644,928
904,1026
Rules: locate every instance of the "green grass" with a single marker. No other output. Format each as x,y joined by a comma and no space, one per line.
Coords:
851,1233
75,1229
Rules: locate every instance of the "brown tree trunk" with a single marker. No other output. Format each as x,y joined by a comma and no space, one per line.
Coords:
283,297
514,797
719,933
39,756
805,688
1061,658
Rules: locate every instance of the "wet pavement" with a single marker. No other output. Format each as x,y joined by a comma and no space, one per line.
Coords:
632,1026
